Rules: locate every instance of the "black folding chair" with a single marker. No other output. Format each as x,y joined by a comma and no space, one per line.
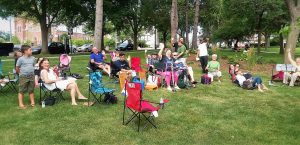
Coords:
45,93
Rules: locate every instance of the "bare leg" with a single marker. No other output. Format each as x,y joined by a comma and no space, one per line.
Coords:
264,87
31,96
72,89
80,96
259,87
21,97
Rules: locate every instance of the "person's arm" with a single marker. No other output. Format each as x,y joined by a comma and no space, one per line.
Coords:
207,66
44,76
160,53
290,58
18,65
219,67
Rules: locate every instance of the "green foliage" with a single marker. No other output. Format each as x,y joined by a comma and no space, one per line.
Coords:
81,42
109,42
15,40
2,40
63,37
27,42
142,43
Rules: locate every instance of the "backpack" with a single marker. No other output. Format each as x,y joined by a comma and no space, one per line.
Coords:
110,98
248,85
205,79
181,82
49,101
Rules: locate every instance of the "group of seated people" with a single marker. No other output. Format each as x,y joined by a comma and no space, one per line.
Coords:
292,76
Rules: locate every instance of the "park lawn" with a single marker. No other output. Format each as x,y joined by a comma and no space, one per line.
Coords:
220,113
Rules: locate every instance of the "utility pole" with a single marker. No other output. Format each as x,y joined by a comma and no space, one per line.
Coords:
10,31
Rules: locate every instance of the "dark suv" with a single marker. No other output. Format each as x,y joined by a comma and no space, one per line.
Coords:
58,48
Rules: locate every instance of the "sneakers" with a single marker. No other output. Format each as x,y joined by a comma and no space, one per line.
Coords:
177,88
169,89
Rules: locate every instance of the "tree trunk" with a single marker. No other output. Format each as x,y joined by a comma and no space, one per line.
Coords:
267,41
44,27
195,27
98,24
291,40
164,38
281,51
135,43
258,41
187,24
44,31
174,20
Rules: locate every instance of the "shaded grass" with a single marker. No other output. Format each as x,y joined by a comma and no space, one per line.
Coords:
220,113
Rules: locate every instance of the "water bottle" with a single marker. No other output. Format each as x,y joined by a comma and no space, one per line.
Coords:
161,102
43,104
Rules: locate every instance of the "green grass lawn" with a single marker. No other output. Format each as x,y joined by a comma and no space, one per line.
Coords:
220,113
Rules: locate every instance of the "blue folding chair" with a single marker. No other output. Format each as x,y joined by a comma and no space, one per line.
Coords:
96,87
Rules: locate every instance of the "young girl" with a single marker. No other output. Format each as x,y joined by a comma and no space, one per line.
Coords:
37,71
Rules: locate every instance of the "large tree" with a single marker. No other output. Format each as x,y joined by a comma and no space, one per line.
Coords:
196,21
174,19
45,12
98,24
294,11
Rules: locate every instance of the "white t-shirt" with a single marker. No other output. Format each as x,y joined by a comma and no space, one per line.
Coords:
240,79
202,48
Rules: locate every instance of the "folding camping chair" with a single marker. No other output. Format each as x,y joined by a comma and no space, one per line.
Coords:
65,64
281,69
138,106
96,87
45,93
12,79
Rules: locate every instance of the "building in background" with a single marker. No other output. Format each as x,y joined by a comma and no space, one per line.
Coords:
28,31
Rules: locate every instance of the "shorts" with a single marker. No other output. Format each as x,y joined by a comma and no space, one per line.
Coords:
26,83
214,74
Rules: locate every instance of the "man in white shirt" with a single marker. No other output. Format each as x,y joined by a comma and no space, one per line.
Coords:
203,55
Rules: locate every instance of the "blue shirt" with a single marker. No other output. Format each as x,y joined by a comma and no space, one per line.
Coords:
97,57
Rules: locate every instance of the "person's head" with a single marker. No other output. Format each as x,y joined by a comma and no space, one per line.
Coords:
168,52
95,50
214,57
181,40
117,53
18,54
180,43
26,50
239,72
298,61
122,56
237,66
154,56
231,67
39,60
44,64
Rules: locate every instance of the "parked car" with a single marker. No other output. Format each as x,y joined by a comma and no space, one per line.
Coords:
35,49
74,48
124,47
58,48
85,48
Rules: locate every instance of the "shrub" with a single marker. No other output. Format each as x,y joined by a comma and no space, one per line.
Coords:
27,42
15,40
81,42
109,42
142,43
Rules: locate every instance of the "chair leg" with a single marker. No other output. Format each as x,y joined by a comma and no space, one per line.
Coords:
139,122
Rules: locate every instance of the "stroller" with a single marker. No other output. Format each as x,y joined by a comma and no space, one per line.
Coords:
64,64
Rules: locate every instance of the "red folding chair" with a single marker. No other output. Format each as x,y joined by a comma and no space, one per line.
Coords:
138,106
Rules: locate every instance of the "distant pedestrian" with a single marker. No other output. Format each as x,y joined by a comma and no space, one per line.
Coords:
203,55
